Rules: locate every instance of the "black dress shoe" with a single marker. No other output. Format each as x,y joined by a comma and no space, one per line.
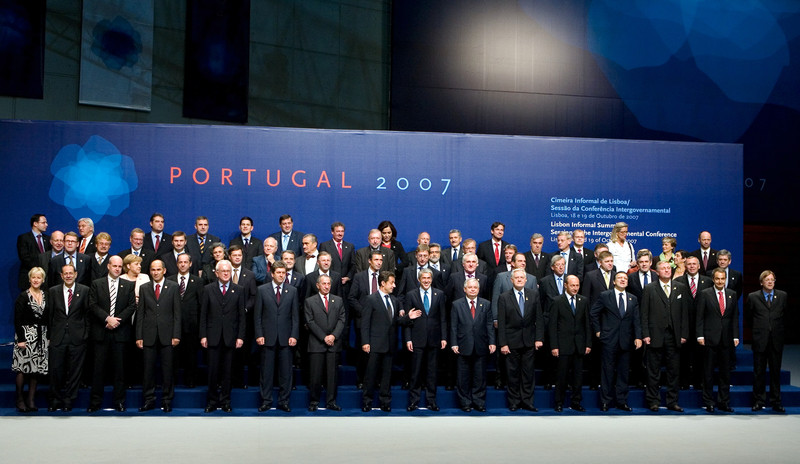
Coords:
757,407
778,408
333,407
227,408
119,407
313,407
32,409
558,408
548,386
360,385
412,407
210,408
466,408
529,407
725,408
166,407
284,407
709,408
604,407
67,409
513,408
21,407
405,386
654,407
578,407
593,387
264,407
147,407
52,409
480,408
92,409
624,407
386,408
433,407
675,408
449,388
499,386
366,408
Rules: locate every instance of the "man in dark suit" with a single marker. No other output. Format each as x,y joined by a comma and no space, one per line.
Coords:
306,262
705,254
170,259
190,286
616,322
537,263
198,245
222,330
137,249
644,276
764,312
665,327
262,264
717,330
277,327
324,314
56,248
470,246
294,278
29,246
472,340
520,331
423,238
251,246
158,331
67,316
424,338
287,238
454,252
323,268
552,285
112,302
245,356
491,250
342,253
570,334
99,258
691,352
573,260
365,283
86,244
363,255
733,278
157,240
455,285
70,256
600,280
578,242
410,280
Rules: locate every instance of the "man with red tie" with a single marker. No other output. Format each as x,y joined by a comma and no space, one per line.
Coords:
472,340
491,250
717,330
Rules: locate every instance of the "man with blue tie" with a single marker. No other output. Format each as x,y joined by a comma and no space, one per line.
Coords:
615,321
764,313
573,264
287,237
472,340
570,334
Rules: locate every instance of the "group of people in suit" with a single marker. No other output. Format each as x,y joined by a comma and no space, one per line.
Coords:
443,315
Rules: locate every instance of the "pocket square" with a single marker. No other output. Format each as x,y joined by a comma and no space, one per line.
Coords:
679,297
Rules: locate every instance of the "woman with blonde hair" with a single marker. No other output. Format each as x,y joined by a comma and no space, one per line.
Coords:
621,249
30,339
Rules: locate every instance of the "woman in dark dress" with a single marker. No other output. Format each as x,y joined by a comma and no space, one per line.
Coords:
30,340
389,240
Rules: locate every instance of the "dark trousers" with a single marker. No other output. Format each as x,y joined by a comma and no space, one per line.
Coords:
614,375
773,356
220,358
521,377
270,356
565,364
691,363
669,354
595,362
151,353
423,374
718,356
379,373
471,385
66,364
323,363
187,352
109,355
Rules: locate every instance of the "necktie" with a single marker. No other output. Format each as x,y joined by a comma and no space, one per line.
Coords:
246,242
693,288
388,306
288,280
721,303
158,290
497,254
470,276
572,304
69,299
285,241
202,241
39,242
705,260
157,243
278,294
521,302
666,289
69,260
99,259
472,308
236,276
374,283
135,253
112,294
426,302
224,288
646,275
183,285
560,286
339,248
605,277
325,298
621,304
83,245
455,254
769,300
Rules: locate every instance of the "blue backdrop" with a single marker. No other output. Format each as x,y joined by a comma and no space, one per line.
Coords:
119,174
